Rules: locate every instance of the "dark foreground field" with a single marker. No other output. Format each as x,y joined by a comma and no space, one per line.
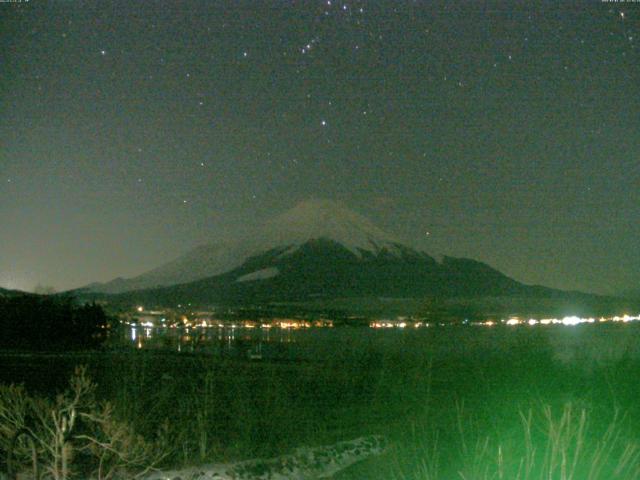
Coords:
472,403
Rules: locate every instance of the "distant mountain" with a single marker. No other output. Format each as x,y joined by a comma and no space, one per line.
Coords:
325,269
307,221
320,251
12,293
317,250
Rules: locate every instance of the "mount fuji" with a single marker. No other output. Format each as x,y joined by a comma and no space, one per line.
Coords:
317,251
308,221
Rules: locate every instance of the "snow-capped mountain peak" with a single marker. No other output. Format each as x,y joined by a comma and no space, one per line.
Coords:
307,221
325,219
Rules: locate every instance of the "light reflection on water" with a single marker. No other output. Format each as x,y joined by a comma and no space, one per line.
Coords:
225,341
584,344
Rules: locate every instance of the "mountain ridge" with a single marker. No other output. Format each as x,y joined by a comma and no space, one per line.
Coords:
323,268
321,252
309,220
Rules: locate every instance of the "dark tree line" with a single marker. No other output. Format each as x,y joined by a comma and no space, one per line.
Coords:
37,322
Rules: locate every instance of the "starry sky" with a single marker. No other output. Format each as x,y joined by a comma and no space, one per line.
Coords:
508,132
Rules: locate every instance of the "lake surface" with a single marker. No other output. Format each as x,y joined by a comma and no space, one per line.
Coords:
586,343
584,347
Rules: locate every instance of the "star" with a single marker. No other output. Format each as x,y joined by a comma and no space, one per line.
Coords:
324,123
103,52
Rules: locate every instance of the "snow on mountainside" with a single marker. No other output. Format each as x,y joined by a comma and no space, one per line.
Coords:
316,219
261,274
309,220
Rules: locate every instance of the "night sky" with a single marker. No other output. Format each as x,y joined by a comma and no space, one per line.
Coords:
508,132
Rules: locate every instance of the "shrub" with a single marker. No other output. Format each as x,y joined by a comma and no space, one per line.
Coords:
72,432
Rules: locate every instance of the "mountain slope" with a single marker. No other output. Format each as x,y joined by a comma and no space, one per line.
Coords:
316,251
201,262
309,220
13,293
325,269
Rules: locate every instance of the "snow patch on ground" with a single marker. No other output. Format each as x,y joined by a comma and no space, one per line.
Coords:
259,275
